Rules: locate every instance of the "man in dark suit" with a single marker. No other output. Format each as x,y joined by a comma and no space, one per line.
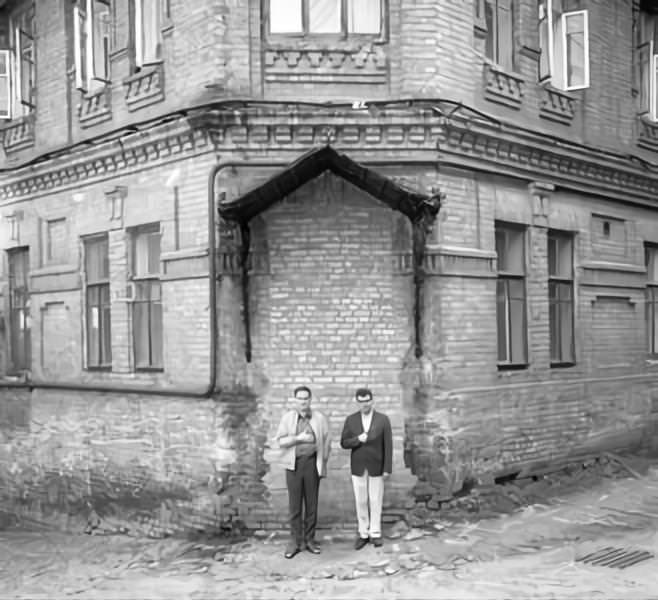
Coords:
367,433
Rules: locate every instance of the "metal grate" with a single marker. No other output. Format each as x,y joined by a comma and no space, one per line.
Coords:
615,558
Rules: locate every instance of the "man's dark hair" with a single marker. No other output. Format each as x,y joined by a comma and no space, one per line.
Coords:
302,388
361,392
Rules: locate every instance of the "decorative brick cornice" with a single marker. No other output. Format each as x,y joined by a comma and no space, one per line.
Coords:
362,64
413,134
502,87
556,105
505,149
18,134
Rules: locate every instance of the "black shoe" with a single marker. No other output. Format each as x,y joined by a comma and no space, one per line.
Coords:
377,542
360,543
292,551
313,548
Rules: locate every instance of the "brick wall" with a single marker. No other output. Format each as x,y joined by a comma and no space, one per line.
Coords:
470,418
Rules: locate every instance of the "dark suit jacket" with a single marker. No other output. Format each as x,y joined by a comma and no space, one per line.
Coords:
376,453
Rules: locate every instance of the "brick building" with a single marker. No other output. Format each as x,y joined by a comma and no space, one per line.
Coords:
205,203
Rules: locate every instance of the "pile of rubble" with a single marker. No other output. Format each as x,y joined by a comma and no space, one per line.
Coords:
492,498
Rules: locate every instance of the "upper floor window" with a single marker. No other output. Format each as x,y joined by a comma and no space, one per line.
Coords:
91,28
564,44
498,18
651,260
147,18
18,66
338,17
510,297
645,64
561,298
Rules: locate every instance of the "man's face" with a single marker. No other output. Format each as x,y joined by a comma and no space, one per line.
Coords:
303,402
365,404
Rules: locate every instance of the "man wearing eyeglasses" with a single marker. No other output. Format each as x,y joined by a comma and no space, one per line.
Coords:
304,437
367,433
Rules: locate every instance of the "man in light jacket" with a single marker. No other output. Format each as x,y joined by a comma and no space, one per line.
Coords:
304,437
367,433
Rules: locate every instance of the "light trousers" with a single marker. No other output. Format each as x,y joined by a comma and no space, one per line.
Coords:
369,497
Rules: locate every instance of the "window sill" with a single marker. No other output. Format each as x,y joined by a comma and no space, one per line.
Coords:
18,134
54,269
95,107
648,133
513,367
101,369
556,105
564,365
502,87
149,369
145,87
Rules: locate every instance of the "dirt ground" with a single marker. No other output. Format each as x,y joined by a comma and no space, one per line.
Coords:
520,540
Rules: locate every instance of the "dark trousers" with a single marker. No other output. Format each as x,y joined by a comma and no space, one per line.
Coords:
303,485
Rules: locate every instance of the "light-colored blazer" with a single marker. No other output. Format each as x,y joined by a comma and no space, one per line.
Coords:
320,426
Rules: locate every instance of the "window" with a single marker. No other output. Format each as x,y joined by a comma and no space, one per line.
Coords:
510,297
560,298
338,17
148,18
651,260
92,24
147,300
645,64
498,18
18,67
55,246
97,295
19,309
564,45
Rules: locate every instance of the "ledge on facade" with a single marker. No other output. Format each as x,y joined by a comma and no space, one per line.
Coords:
18,134
353,63
145,87
95,107
648,134
556,105
502,87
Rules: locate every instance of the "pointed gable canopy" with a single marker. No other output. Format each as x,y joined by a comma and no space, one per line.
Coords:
414,205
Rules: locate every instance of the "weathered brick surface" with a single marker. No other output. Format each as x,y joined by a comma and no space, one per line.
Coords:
329,304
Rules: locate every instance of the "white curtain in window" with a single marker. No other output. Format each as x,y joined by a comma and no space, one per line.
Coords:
364,16
324,16
285,16
150,34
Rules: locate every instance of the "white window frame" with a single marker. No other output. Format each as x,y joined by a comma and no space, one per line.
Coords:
5,74
11,56
161,7
86,78
557,47
651,108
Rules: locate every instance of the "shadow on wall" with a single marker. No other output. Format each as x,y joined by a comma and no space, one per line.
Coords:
142,465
